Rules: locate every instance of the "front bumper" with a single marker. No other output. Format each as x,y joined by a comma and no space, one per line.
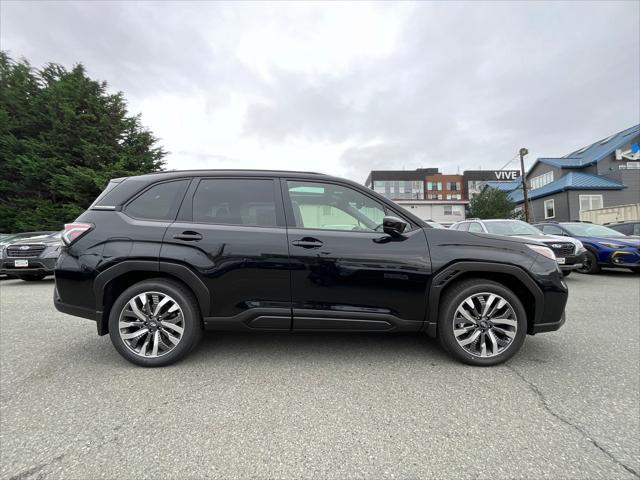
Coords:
36,266
623,258
572,262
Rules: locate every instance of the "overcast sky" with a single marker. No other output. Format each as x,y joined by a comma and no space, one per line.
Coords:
344,88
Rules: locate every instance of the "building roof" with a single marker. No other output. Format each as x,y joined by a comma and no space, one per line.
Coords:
505,186
570,181
593,153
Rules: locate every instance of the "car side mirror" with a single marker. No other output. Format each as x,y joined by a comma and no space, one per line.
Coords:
393,226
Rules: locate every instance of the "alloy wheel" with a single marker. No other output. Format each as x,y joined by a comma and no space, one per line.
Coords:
151,324
485,325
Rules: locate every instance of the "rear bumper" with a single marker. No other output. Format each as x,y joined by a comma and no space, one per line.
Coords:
72,309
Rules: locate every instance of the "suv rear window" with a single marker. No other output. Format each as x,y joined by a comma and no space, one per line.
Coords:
160,202
235,202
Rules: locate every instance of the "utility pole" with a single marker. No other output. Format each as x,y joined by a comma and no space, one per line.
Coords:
523,152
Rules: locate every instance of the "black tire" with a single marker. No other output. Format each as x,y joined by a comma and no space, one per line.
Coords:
590,264
567,273
192,332
454,297
36,277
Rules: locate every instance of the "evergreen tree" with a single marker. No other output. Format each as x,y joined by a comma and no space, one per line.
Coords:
62,138
491,203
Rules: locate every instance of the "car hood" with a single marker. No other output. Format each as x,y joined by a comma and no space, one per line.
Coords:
545,238
48,241
629,241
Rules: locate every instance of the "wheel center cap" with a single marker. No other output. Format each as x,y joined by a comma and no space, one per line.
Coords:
483,324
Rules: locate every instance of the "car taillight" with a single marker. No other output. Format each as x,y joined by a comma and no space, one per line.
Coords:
73,231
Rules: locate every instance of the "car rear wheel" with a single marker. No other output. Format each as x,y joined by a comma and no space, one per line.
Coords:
481,322
590,264
155,323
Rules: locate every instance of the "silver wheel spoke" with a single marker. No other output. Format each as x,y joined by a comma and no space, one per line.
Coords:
137,333
461,331
173,327
470,339
504,332
142,328
483,346
505,321
462,311
494,342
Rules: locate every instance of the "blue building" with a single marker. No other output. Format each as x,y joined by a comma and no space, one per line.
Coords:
603,174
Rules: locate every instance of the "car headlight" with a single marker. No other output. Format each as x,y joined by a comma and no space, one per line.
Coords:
545,251
580,247
52,252
612,245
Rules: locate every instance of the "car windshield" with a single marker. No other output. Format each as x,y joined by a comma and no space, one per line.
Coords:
511,227
591,230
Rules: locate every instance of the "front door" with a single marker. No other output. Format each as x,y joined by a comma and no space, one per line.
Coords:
232,232
346,274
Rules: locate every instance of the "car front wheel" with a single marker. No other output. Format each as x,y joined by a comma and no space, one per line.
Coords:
590,264
155,323
481,322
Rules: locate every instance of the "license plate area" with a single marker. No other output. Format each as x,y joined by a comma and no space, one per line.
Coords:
560,260
21,263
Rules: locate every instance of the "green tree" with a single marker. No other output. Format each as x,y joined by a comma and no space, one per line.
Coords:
63,136
491,203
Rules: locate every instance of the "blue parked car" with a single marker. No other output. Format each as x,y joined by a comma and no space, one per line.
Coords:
605,246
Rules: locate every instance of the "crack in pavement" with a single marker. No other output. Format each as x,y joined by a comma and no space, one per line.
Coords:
38,468
545,404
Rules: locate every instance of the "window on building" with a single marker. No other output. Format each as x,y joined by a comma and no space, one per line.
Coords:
235,202
160,202
549,208
434,185
453,186
590,202
541,180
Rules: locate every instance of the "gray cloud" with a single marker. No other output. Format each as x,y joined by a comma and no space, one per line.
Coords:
466,85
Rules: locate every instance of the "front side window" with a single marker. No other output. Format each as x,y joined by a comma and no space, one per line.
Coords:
475,227
590,202
248,201
549,209
333,207
160,202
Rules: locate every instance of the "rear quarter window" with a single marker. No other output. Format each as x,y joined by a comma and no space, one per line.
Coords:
159,202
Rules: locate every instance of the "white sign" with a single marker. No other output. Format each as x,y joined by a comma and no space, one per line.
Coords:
505,175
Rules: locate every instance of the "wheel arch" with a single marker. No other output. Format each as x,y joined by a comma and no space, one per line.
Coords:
110,283
512,277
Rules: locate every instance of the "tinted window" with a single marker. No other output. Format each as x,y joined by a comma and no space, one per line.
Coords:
235,202
552,230
475,227
333,207
159,202
464,227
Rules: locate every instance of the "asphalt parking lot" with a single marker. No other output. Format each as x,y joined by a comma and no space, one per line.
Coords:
323,406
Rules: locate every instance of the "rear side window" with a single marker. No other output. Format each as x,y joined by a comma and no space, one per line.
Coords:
235,202
160,202
464,227
475,227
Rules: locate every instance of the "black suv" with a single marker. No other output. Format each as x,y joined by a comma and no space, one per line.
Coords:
158,258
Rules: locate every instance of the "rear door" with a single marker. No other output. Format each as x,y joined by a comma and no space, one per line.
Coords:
346,274
231,231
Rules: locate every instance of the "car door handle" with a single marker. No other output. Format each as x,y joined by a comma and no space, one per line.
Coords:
188,236
307,242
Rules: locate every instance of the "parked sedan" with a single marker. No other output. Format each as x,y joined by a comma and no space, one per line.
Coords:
629,228
30,259
570,253
605,247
